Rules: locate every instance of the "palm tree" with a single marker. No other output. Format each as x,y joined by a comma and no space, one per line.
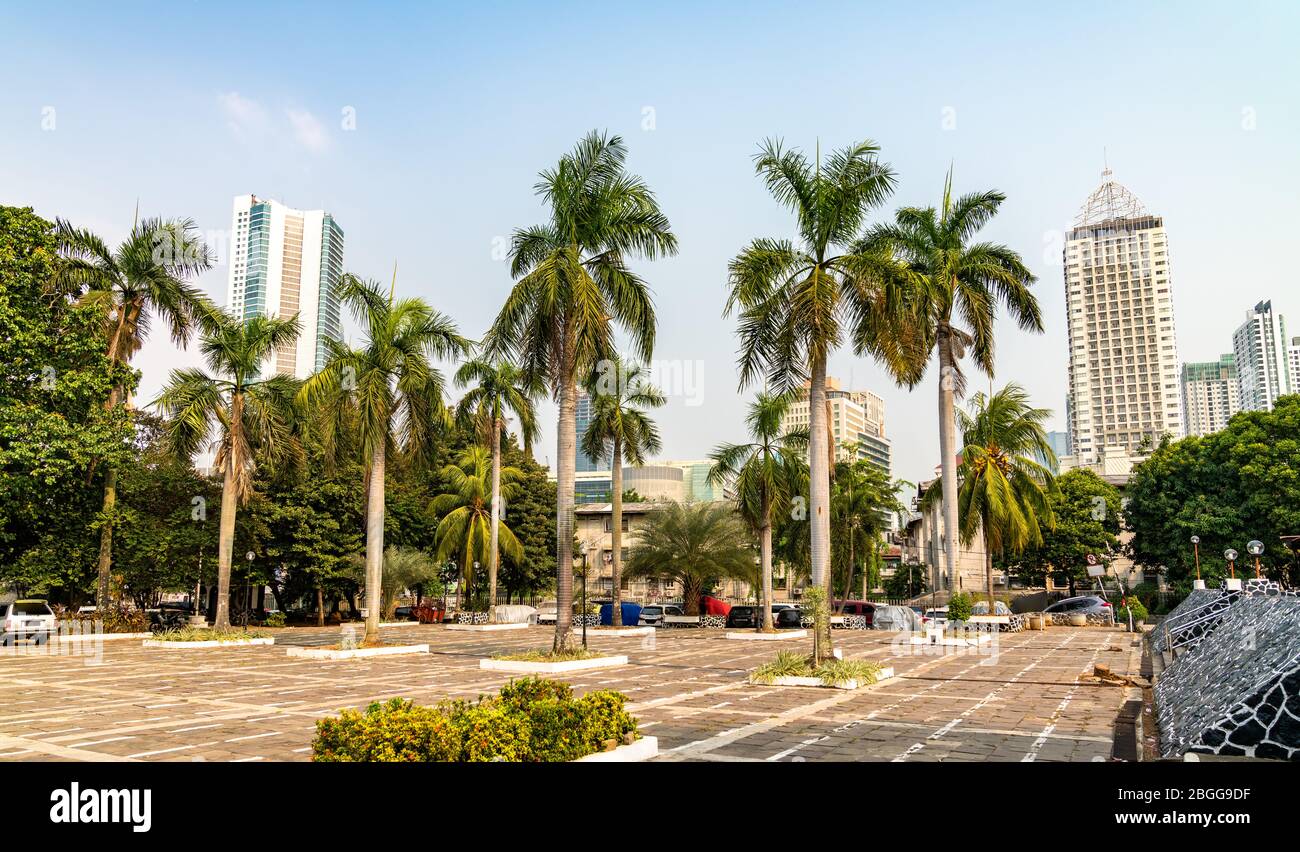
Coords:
797,302
469,528
957,277
397,394
146,276
573,286
253,415
498,388
620,431
861,504
693,544
766,474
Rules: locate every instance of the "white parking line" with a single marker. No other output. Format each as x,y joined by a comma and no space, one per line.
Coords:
99,742
254,736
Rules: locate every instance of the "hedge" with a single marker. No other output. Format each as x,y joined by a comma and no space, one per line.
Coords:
530,720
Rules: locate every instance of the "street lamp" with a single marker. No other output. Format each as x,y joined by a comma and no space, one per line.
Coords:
1255,547
584,596
248,587
1231,556
1196,553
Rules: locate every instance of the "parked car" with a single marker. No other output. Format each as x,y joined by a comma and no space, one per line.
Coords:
404,613
866,608
26,620
652,615
748,616
787,617
935,617
1080,605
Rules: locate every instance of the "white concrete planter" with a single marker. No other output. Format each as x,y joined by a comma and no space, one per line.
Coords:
681,621
354,653
399,624
618,631
212,643
485,628
643,749
884,675
972,641
101,637
752,636
530,667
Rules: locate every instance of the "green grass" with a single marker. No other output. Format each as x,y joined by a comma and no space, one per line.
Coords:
542,655
832,672
209,634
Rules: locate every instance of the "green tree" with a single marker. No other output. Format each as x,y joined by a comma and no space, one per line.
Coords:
621,431
146,276
797,301
573,287
766,473
908,581
396,394
498,389
250,414
465,529
957,279
1087,512
695,544
863,500
532,517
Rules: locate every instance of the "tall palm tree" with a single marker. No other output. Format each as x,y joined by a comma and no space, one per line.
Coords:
573,287
693,544
957,279
498,388
397,394
798,302
621,431
252,415
766,474
863,500
146,276
470,528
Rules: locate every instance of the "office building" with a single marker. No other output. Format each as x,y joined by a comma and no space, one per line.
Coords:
1263,368
1209,394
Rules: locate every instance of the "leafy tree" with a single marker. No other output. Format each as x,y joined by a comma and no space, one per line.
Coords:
147,275
907,581
767,474
957,280
798,301
573,287
1087,512
396,396
620,431
695,544
862,501
250,415
464,531
498,389
531,515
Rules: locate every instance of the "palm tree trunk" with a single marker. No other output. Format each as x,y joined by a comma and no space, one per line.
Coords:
820,497
765,563
848,582
988,571
320,605
375,545
566,446
226,544
948,456
106,539
494,543
616,532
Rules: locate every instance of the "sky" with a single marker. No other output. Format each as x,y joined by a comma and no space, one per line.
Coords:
421,127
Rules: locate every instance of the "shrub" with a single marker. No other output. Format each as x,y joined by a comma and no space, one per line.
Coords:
959,607
1134,606
530,720
114,620
834,672
275,619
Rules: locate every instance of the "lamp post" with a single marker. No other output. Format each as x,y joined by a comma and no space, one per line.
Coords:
1196,554
248,587
1231,556
1255,547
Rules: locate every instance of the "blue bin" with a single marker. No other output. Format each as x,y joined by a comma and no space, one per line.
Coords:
631,614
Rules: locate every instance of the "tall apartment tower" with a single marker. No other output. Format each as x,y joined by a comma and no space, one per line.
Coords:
285,262
1263,363
857,421
1210,394
584,463
1124,382
1293,360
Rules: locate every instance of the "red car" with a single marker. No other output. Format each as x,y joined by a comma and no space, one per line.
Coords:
866,608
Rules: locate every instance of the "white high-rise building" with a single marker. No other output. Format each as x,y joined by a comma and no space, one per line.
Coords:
1293,359
1263,368
1123,385
857,423
1210,395
285,262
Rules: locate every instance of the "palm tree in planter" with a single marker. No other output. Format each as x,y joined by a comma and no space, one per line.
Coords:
621,431
957,278
147,276
573,287
397,395
798,302
1004,489
253,416
498,389
469,528
766,474
693,544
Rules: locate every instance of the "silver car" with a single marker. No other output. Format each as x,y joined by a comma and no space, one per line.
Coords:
26,619
653,615
1080,605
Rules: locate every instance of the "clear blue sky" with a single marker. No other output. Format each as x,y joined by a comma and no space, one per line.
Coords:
185,105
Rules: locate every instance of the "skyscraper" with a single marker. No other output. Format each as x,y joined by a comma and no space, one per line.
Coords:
285,262
1263,368
1293,360
584,463
857,424
1209,394
1123,382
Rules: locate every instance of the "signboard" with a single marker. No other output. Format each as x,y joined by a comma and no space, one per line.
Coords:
1095,570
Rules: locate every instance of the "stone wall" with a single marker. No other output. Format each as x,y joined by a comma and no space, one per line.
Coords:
1237,692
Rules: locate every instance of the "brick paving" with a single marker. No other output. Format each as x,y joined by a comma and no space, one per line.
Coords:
687,687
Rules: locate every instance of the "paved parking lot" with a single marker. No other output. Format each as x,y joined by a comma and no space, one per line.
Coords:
688,688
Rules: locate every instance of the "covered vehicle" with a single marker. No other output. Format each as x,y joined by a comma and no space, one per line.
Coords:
982,608
710,605
631,613
515,613
896,618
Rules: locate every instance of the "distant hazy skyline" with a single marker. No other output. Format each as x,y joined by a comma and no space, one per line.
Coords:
421,128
